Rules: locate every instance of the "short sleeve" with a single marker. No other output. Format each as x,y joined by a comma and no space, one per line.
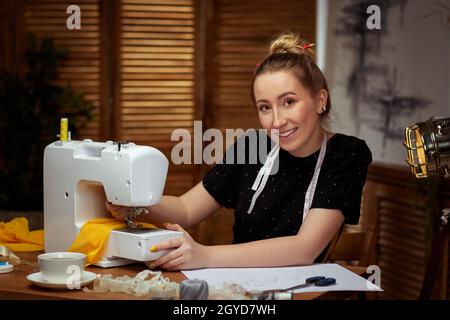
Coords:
340,185
223,181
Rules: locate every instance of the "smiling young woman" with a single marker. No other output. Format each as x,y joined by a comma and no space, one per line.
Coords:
282,218
291,95
284,104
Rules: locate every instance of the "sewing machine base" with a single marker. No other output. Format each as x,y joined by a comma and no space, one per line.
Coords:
128,245
113,262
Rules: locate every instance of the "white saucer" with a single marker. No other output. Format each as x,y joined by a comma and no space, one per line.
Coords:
5,268
36,279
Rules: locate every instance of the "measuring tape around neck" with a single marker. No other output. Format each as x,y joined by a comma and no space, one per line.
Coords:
264,172
312,185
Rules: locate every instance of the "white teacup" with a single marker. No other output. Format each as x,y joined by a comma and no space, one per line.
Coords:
62,267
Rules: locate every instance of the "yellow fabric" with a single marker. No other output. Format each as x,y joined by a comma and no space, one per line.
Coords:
93,237
16,235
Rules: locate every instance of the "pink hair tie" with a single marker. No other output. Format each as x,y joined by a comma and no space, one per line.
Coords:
258,64
306,46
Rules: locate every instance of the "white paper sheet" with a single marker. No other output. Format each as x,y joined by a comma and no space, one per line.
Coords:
281,278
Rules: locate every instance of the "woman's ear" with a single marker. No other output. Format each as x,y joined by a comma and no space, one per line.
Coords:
321,100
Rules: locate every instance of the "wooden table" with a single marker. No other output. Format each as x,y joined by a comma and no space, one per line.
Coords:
15,285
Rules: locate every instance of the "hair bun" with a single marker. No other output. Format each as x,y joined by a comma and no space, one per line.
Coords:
291,43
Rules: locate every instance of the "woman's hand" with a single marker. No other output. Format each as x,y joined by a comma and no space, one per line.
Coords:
187,255
118,212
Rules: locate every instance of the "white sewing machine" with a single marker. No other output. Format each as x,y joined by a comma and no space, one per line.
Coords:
78,178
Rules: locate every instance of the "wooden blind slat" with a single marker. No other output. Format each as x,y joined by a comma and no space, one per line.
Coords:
58,21
147,70
158,56
156,110
156,22
165,2
158,49
157,8
158,103
156,15
139,28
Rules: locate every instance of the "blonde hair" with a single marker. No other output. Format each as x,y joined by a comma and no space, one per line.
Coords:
291,43
292,53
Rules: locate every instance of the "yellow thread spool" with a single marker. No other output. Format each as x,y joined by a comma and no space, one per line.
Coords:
63,129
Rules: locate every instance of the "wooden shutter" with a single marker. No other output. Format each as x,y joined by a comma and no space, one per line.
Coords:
82,67
157,77
404,208
154,90
402,247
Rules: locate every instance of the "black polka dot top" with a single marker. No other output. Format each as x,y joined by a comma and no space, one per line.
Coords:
278,211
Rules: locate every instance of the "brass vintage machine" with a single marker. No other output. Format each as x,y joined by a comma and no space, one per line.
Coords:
428,148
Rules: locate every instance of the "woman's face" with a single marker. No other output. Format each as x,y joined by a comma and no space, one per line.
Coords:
283,103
